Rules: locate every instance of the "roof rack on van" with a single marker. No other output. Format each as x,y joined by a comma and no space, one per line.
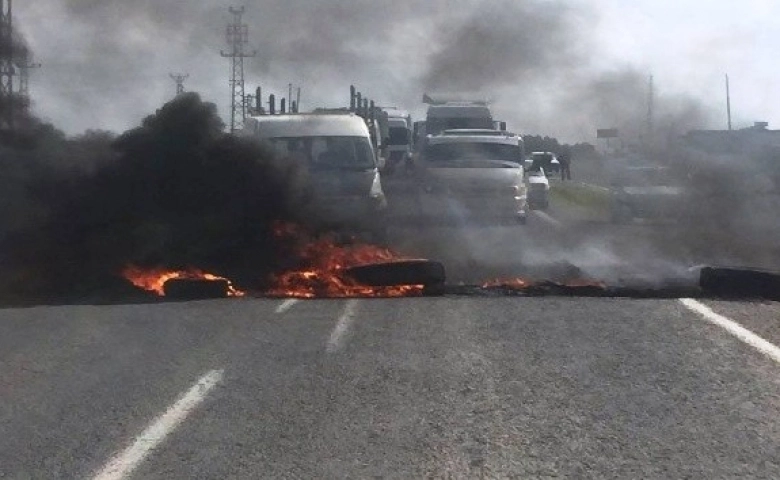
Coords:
341,110
451,99
476,131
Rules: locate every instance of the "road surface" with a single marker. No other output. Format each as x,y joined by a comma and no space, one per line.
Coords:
441,387
449,387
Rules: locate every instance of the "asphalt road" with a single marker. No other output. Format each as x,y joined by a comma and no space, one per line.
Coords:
440,387
450,387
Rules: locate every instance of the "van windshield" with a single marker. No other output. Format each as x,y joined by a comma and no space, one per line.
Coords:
327,152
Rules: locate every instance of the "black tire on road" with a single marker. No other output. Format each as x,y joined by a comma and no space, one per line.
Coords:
195,289
402,272
740,282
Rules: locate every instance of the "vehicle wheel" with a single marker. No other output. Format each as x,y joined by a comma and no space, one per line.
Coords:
522,219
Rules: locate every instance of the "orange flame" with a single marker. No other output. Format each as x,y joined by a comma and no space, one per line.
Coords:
518,283
153,279
322,274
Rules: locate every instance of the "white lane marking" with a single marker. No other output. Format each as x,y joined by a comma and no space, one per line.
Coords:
742,333
286,305
124,462
345,320
547,218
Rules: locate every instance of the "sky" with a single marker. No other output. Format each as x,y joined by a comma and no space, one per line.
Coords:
554,67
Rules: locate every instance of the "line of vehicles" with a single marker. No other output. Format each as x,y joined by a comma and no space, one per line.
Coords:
458,163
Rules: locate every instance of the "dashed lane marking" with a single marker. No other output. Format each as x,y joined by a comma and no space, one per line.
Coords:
336,338
286,305
124,462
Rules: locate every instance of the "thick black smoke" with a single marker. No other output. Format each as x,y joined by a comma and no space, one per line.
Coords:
177,193
507,43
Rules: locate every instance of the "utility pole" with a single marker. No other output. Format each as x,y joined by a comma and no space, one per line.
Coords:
728,102
7,69
237,38
179,79
650,112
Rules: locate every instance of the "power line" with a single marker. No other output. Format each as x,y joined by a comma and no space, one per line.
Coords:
179,79
237,38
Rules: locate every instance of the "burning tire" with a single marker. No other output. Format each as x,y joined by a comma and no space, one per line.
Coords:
195,289
427,273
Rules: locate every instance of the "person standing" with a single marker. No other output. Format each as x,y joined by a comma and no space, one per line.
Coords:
565,159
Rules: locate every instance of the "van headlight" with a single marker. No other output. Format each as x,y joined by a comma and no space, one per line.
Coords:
376,187
377,196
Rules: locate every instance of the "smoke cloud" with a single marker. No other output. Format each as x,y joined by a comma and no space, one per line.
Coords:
535,59
176,192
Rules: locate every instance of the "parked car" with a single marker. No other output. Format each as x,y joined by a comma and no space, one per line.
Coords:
538,189
344,169
471,175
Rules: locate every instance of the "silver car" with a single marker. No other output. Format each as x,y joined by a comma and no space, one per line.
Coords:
471,175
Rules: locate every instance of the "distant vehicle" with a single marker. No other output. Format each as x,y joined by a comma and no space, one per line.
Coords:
538,189
344,170
546,160
555,165
645,192
457,115
473,176
447,115
399,140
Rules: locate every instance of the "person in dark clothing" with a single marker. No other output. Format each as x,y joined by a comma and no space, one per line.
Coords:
565,160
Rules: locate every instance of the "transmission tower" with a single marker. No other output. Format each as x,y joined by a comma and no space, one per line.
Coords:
7,69
179,79
24,66
237,38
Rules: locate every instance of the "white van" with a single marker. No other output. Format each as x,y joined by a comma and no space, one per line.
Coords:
344,171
